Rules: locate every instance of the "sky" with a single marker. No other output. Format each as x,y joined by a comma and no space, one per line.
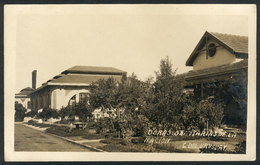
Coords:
133,38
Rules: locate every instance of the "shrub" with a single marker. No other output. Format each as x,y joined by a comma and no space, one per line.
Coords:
31,114
19,112
198,115
48,113
104,125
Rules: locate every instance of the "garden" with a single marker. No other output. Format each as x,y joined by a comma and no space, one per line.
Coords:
150,116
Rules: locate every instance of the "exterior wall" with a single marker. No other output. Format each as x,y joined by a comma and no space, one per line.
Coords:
61,96
41,100
221,57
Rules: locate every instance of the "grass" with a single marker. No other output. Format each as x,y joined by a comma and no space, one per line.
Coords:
128,148
67,132
112,143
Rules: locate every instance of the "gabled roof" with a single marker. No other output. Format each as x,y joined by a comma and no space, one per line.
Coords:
93,70
238,45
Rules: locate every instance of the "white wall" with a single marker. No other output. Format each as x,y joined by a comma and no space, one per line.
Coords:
61,97
221,57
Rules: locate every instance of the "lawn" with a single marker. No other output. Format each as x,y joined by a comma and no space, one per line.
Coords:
178,144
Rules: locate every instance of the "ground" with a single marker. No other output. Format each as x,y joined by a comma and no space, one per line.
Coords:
28,139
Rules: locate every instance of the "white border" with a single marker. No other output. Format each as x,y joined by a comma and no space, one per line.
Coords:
10,14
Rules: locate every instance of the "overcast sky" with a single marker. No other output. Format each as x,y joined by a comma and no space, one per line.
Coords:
133,38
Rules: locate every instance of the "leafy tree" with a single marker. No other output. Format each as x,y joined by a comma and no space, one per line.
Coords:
19,112
233,94
104,94
125,97
83,110
196,115
168,98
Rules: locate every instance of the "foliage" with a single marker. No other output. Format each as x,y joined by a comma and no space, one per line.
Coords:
126,98
104,125
48,113
82,110
32,113
65,113
197,115
19,112
233,93
104,94
167,99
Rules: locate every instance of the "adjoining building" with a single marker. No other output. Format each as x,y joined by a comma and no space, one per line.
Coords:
218,58
23,97
71,86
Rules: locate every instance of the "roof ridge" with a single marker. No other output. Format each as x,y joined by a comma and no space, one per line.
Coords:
227,34
92,66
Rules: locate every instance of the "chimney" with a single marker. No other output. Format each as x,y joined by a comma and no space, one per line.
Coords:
34,73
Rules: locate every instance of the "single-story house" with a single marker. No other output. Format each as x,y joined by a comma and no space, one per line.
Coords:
217,58
71,86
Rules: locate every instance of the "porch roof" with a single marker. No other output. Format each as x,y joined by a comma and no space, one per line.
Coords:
213,74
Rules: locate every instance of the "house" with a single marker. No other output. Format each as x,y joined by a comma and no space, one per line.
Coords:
218,58
71,86
23,97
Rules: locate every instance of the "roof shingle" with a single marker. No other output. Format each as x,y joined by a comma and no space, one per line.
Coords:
236,42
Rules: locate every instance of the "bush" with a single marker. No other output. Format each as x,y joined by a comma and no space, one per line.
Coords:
198,115
31,114
104,125
19,112
48,113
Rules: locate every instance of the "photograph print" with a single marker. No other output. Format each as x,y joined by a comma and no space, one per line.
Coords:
91,80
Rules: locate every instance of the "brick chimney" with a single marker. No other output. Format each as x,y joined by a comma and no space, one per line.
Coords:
34,74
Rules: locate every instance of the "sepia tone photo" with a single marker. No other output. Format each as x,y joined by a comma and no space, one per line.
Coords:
126,82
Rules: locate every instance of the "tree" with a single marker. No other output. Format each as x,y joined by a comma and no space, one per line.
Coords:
104,94
19,112
233,94
125,97
197,115
83,110
168,98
